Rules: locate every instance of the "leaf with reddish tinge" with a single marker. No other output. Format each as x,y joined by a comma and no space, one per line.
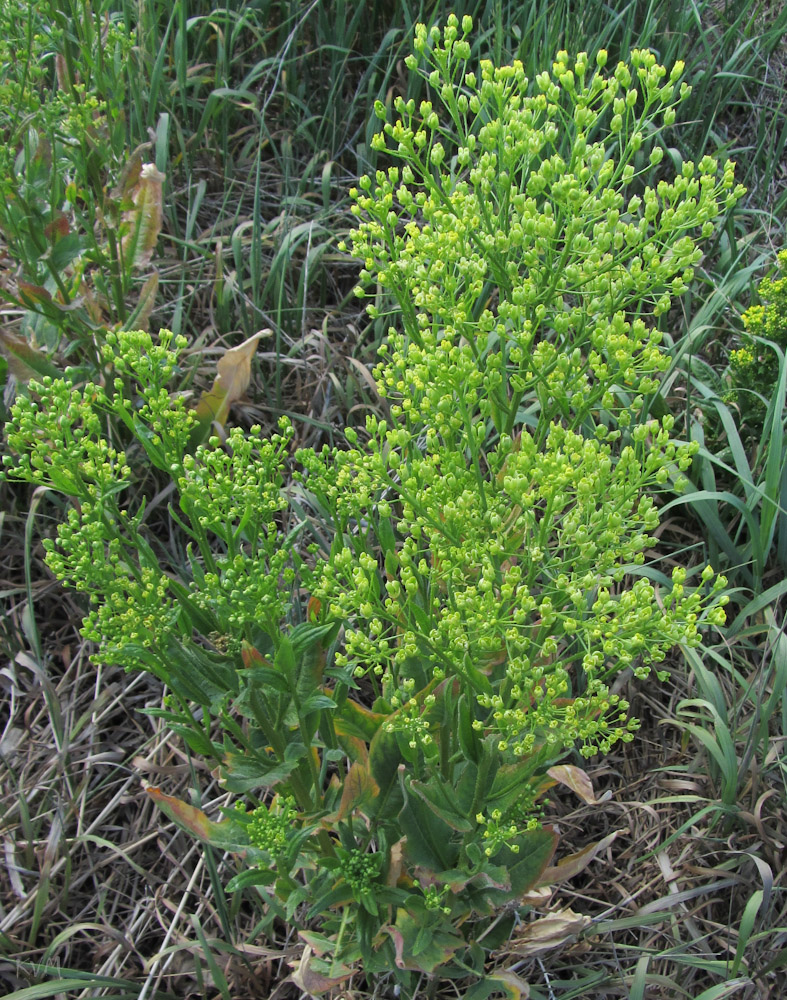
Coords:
359,788
143,218
547,932
576,779
223,834
573,864
24,361
232,380
355,720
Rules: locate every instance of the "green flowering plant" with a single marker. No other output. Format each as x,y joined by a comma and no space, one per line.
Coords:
387,647
79,212
755,366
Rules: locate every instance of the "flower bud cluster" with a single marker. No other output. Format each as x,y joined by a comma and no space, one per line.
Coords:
270,827
755,366
534,189
232,498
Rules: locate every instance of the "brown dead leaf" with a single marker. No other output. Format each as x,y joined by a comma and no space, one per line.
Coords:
397,860
232,380
573,864
539,896
314,983
547,932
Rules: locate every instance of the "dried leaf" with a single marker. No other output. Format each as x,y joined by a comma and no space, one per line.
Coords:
232,380
539,896
397,860
57,228
129,174
511,984
576,779
548,932
572,865
144,217
310,981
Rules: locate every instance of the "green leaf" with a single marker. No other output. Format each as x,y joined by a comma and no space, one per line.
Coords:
253,876
508,784
469,740
436,943
442,799
430,840
526,866
384,761
245,772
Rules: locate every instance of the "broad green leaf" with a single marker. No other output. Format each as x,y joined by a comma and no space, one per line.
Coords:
244,772
443,800
430,840
384,760
525,866
437,944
